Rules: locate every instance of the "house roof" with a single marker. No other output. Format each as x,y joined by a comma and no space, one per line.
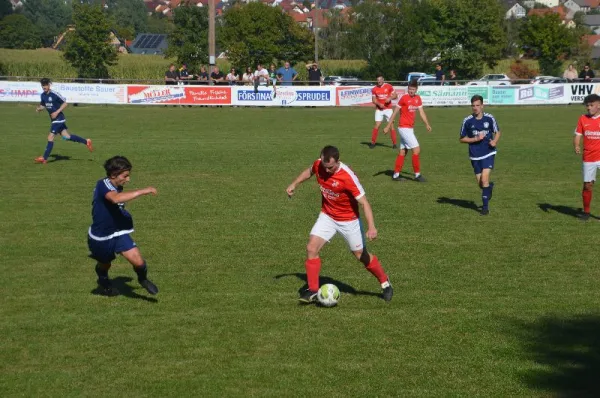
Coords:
560,10
149,43
591,20
591,39
596,53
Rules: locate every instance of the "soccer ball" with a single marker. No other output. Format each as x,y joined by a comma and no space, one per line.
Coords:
328,295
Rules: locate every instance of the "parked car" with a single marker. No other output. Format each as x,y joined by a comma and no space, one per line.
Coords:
432,81
417,75
340,81
493,79
548,80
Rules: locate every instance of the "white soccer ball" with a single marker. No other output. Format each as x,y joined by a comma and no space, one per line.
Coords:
328,295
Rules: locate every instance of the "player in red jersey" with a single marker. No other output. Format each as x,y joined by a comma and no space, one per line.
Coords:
341,194
407,106
382,96
588,126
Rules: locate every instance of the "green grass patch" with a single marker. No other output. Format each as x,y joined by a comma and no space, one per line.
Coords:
505,305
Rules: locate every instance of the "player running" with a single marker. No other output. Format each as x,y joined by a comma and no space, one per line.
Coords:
480,130
382,96
588,126
55,104
112,224
407,106
341,194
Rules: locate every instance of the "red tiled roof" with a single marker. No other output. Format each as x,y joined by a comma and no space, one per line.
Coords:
591,39
560,10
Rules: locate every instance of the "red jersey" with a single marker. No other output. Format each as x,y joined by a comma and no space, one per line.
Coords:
589,127
340,191
382,93
408,106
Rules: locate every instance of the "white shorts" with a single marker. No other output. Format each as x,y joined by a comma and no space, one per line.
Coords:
383,114
589,171
408,140
326,227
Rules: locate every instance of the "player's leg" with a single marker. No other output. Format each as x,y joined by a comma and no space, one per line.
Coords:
484,182
589,177
353,234
75,138
388,115
378,119
399,163
127,248
321,233
410,141
49,145
103,253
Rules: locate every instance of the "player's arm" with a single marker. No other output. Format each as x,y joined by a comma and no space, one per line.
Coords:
368,212
40,108
465,139
390,124
305,175
424,118
59,110
375,102
122,197
577,143
494,142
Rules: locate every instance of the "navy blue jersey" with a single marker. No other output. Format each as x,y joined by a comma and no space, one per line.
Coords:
472,127
52,101
109,220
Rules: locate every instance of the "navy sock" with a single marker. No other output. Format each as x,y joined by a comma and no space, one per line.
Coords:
102,276
48,150
142,272
491,190
77,138
485,196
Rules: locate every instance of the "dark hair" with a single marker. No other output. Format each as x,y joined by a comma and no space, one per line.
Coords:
330,152
45,81
591,98
476,98
379,75
414,83
116,165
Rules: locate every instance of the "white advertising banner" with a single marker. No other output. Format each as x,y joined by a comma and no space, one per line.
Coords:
283,96
92,93
20,91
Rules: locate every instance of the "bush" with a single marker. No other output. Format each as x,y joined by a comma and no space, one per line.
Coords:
522,70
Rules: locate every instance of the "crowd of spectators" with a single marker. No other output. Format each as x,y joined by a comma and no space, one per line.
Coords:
284,76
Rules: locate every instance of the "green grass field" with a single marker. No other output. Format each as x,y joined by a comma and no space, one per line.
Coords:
505,305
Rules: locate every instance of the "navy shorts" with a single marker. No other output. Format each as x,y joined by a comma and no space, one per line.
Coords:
486,163
57,128
104,251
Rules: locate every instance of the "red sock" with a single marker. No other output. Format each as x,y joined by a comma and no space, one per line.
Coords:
374,135
587,200
313,266
374,267
394,138
416,163
399,163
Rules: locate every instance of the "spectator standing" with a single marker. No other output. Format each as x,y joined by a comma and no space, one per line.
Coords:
570,73
452,78
248,77
439,74
202,76
315,76
232,77
587,74
171,76
184,74
286,74
217,76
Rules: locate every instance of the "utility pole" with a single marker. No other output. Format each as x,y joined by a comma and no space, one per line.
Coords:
211,37
316,30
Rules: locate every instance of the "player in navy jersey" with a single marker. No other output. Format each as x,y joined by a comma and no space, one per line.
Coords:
55,103
480,130
112,224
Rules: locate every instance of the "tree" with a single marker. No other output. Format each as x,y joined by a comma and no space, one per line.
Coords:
549,38
158,23
466,34
5,8
189,41
16,31
50,16
88,49
333,39
128,15
512,29
255,32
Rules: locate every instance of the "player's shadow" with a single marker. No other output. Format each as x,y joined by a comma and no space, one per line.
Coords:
367,143
466,204
121,283
566,210
344,287
566,355
390,173
57,158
